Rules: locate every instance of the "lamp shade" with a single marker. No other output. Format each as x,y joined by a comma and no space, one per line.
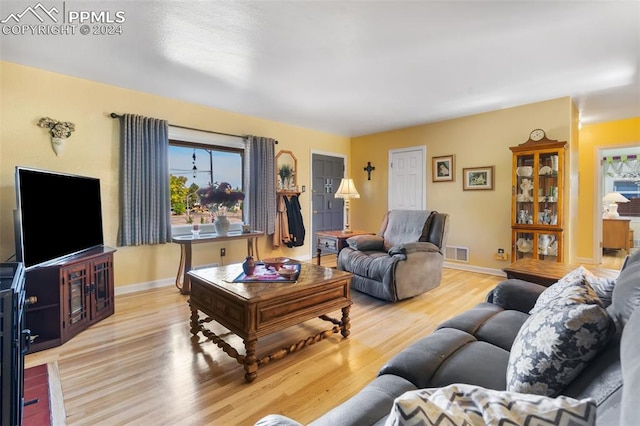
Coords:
615,197
347,189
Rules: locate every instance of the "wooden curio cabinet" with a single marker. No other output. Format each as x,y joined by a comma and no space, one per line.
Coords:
69,296
537,221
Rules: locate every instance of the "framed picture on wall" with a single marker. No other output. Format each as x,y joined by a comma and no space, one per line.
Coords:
475,178
443,168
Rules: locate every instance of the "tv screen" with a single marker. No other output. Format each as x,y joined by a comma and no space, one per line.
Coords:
58,215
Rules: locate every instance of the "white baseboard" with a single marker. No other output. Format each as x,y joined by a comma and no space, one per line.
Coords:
478,269
133,288
165,282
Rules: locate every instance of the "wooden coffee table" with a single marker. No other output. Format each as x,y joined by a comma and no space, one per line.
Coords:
254,310
546,272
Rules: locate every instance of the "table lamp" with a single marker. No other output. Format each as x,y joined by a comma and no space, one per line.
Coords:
347,190
613,198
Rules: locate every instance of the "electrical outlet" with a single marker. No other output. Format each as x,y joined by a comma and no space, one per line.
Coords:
223,252
501,255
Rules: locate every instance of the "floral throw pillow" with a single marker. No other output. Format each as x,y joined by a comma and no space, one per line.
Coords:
570,289
602,286
554,345
467,405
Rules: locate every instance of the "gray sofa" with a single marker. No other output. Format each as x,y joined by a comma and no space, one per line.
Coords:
474,348
403,260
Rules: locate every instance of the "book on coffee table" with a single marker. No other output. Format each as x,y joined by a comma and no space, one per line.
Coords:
262,274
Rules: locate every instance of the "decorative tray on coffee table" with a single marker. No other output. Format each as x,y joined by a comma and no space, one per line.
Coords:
264,274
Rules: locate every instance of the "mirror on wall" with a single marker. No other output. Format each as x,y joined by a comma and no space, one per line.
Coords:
286,171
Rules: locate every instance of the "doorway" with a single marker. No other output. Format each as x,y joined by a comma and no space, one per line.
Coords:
618,171
407,178
327,170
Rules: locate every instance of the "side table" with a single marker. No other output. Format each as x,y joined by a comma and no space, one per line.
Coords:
546,273
186,241
334,241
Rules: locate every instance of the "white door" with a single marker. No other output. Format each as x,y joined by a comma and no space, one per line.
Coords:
407,178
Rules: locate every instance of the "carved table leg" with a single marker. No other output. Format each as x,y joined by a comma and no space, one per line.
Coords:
179,277
346,324
250,361
195,324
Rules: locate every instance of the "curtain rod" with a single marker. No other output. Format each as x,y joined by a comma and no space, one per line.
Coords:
114,115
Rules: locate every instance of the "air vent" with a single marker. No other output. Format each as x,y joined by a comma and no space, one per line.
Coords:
459,254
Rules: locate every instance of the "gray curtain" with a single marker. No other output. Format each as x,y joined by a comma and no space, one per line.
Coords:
145,204
260,184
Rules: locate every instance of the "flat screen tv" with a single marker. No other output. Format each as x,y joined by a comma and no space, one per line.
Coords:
58,215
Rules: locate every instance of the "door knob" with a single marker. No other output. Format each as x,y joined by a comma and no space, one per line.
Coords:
315,212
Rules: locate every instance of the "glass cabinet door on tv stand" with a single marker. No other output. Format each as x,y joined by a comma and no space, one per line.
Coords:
537,200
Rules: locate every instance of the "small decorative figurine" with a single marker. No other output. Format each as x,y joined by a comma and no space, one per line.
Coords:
249,265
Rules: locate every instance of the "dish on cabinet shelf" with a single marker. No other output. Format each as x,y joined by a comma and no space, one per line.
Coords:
545,170
524,245
524,171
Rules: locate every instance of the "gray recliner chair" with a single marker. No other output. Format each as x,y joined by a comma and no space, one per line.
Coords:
403,260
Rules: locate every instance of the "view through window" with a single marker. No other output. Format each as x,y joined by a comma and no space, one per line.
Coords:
193,166
631,190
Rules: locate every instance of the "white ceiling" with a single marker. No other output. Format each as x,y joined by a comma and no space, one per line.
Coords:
353,67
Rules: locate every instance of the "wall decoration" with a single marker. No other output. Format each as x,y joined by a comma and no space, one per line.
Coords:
369,169
443,168
59,131
475,178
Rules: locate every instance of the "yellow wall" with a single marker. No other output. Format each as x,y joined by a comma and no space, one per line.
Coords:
480,220
592,138
27,94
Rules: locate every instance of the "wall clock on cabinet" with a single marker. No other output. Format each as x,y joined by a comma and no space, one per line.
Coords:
537,135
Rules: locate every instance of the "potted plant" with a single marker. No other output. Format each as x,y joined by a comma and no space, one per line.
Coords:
285,172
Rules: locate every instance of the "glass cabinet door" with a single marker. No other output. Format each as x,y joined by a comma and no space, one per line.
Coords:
547,197
76,283
101,302
524,189
536,191
524,245
542,245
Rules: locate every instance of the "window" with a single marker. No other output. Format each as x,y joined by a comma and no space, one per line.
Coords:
631,190
196,159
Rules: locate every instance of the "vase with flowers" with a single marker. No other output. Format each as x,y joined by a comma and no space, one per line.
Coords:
59,131
219,198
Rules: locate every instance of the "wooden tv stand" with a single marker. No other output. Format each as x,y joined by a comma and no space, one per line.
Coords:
70,295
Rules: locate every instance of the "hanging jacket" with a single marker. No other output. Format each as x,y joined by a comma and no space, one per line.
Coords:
282,234
296,226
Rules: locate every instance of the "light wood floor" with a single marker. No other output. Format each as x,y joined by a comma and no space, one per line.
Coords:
140,365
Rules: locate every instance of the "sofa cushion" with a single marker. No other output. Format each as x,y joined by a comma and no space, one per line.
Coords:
450,356
404,226
630,354
554,345
466,405
626,293
368,406
489,323
375,265
516,294
570,289
366,242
